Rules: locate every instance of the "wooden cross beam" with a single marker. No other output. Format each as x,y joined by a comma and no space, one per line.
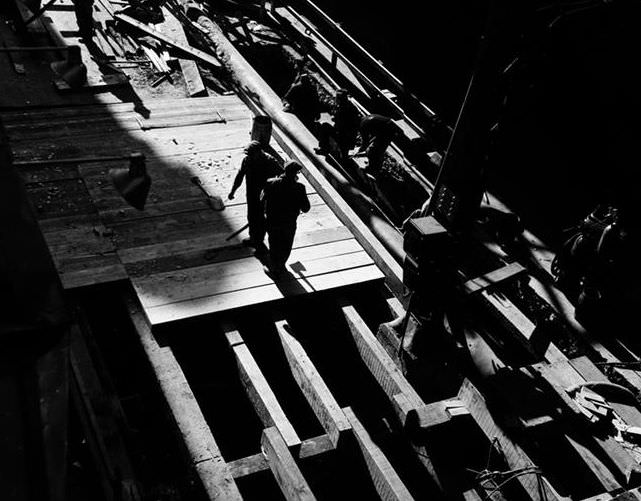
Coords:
312,385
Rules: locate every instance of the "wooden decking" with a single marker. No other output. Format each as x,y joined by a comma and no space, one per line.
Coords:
176,251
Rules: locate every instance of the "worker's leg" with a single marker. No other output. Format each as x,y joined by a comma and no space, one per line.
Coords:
281,239
84,18
376,152
256,220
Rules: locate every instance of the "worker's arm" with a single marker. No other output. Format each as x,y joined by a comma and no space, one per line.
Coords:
238,180
304,201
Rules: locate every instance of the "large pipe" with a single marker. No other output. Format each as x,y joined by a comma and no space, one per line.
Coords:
253,88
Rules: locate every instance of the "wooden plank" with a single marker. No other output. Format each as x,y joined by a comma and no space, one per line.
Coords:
315,446
207,250
396,307
153,143
381,365
199,54
387,483
312,385
189,68
627,411
510,316
272,292
561,376
53,383
103,424
227,106
515,457
258,390
494,277
228,276
249,465
203,451
143,238
291,481
596,466
471,495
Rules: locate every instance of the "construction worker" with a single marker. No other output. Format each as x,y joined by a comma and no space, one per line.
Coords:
285,198
84,15
84,18
345,128
377,132
346,121
256,168
302,99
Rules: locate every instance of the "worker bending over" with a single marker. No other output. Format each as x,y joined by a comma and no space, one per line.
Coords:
302,99
285,198
346,120
256,168
377,133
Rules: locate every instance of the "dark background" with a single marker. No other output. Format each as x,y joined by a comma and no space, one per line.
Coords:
568,135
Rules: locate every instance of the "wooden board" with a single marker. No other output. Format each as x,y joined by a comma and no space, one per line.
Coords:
312,385
203,451
291,481
562,375
172,27
258,390
230,284
249,465
387,483
177,250
382,367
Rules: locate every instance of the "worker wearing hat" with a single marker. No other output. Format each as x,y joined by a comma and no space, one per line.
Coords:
256,168
285,198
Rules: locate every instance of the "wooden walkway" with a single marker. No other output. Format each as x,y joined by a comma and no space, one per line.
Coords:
175,252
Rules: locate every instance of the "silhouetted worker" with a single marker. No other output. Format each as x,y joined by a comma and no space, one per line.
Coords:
302,99
344,131
285,198
377,132
256,168
84,18
84,15
346,121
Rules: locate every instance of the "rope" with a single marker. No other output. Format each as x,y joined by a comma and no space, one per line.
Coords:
500,479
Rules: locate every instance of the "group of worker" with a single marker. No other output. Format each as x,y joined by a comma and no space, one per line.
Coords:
376,131
275,199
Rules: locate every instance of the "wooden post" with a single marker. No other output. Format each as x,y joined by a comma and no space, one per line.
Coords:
387,483
289,478
312,385
258,390
198,439
382,367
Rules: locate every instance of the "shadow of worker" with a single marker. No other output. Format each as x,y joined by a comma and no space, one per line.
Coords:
288,283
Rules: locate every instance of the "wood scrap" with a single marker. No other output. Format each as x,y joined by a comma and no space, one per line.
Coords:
189,68
103,45
199,54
